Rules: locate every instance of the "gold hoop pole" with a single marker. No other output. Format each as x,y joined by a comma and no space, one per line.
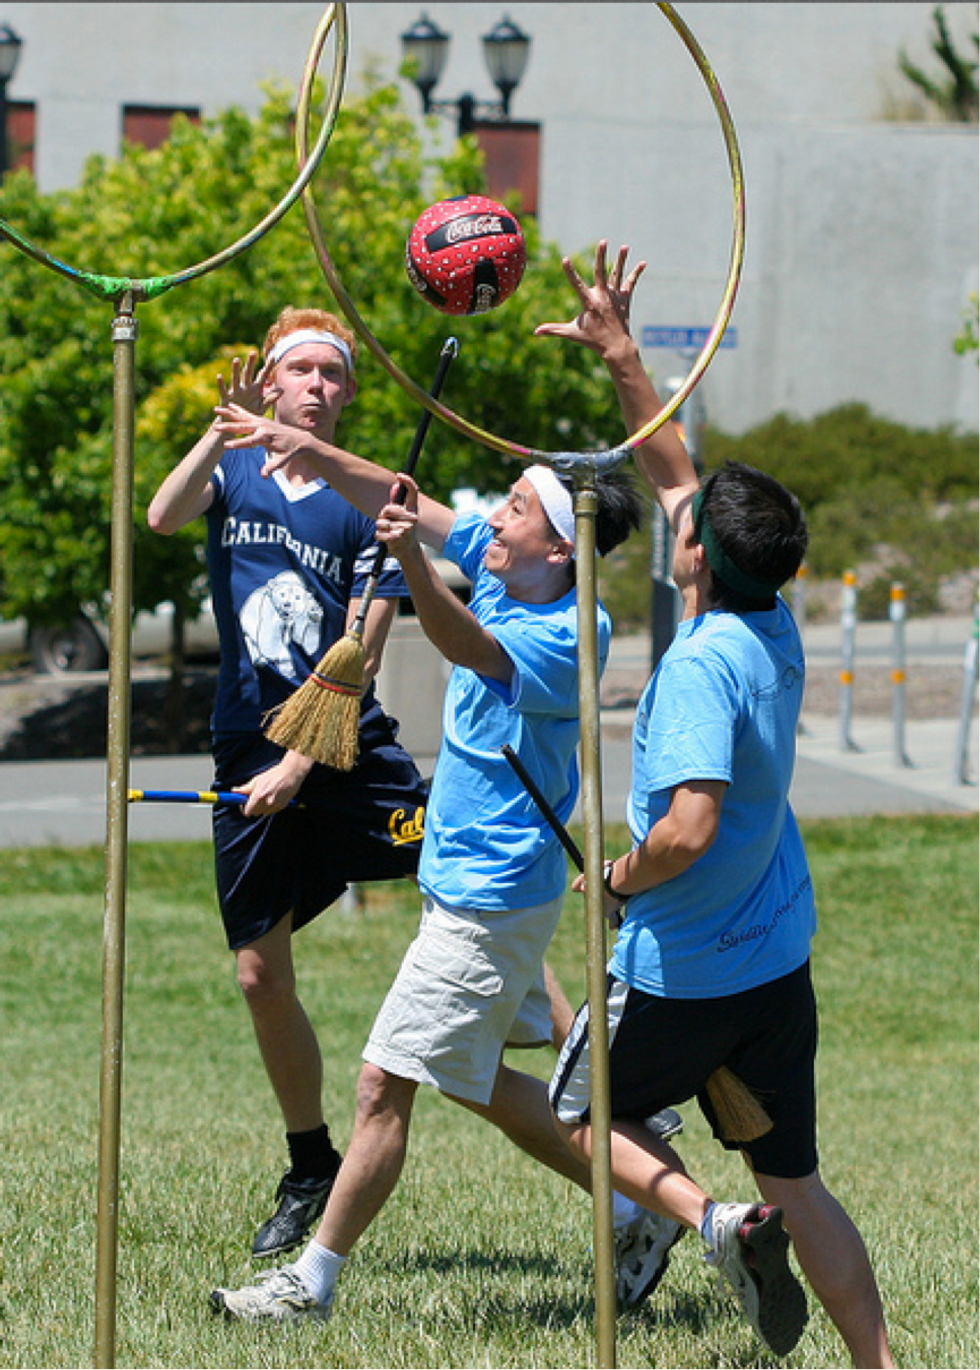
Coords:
124,334
463,425
586,507
125,331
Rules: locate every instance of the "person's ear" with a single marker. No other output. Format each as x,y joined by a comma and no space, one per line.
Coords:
563,550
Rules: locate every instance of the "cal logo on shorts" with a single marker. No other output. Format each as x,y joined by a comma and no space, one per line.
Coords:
402,829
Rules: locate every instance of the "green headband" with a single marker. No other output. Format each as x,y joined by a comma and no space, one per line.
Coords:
719,560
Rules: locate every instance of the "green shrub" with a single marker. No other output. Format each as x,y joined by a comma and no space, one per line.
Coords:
850,447
921,591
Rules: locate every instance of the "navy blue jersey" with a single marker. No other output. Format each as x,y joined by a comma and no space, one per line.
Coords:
284,562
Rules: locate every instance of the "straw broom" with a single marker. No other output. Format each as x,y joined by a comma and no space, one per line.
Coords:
740,1115
321,718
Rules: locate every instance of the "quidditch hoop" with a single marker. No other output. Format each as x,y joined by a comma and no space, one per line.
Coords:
111,287
560,460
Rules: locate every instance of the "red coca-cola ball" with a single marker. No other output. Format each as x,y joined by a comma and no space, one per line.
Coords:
466,255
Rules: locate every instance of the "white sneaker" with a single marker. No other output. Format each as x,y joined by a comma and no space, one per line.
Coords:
277,1295
642,1253
749,1247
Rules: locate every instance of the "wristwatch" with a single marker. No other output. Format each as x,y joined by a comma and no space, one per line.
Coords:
607,870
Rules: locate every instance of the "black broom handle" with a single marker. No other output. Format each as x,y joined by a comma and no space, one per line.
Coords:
450,350
557,827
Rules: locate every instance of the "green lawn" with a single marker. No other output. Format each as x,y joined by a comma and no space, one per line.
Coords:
481,1258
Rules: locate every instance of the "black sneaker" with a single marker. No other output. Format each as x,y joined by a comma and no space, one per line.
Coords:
641,1251
301,1202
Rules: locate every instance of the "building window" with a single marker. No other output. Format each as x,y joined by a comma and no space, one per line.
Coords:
21,122
149,125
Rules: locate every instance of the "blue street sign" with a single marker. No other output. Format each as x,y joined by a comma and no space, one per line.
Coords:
684,339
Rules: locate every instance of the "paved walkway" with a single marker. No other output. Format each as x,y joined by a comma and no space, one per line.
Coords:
45,803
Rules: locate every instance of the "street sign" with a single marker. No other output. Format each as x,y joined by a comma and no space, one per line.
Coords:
684,339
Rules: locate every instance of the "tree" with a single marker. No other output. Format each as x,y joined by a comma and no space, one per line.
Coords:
152,213
954,94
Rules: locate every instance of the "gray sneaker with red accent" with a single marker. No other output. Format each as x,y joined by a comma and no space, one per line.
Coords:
749,1248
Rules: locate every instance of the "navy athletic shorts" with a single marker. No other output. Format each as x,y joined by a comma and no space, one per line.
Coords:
363,824
662,1051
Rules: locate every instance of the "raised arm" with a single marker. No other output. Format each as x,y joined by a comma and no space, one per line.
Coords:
602,325
187,492
448,624
362,483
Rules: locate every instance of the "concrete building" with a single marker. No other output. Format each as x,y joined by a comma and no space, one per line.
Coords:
862,238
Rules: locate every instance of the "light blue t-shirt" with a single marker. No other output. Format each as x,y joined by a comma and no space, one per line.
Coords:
722,705
486,845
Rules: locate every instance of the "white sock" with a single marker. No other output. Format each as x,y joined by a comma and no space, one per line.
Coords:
318,1268
624,1210
705,1228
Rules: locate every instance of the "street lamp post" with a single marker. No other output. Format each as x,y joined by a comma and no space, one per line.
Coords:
10,46
506,49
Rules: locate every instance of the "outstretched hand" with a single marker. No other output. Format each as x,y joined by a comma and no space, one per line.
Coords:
243,428
246,386
603,321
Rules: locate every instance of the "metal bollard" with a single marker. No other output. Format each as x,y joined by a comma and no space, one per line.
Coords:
896,612
971,668
848,625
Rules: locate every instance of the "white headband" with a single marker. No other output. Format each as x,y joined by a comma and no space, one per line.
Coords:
310,335
555,500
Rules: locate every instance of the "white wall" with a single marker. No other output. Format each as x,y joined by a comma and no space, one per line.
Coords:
862,239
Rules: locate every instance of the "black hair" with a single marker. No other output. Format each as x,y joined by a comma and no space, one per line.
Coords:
760,526
619,509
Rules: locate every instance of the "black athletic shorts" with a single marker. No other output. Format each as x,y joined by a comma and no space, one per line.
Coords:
363,824
662,1051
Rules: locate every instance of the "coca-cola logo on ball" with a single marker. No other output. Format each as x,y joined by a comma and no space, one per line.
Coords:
468,227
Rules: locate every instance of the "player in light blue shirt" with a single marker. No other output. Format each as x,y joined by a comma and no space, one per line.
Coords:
711,970
488,846
722,705
491,871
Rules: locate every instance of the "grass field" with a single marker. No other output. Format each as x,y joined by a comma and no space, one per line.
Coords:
481,1258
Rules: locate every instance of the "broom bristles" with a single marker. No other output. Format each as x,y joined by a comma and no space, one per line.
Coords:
320,719
740,1115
